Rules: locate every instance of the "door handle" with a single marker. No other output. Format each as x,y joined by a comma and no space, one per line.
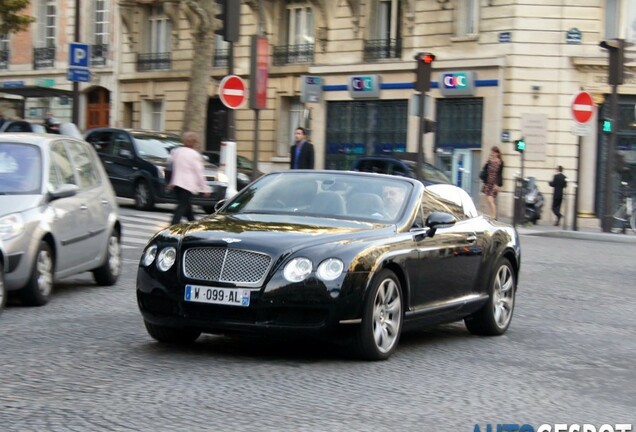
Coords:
108,162
83,207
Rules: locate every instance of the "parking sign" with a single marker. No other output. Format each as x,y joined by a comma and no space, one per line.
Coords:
79,55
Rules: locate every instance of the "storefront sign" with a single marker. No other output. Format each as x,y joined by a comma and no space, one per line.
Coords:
364,86
13,84
310,89
457,84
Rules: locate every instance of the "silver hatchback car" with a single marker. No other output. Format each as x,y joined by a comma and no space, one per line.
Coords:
58,214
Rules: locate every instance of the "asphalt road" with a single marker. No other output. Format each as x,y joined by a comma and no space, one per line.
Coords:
85,363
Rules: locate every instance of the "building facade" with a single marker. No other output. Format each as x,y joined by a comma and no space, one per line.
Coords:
504,69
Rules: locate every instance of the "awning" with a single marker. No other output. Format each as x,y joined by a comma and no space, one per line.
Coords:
36,91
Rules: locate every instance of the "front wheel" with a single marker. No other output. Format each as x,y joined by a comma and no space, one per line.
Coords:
171,335
382,318
40,285
494,318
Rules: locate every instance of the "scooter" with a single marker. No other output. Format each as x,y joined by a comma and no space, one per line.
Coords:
533,200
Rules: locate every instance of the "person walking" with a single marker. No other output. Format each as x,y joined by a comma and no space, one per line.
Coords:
558,183
302,152
188,177
492,176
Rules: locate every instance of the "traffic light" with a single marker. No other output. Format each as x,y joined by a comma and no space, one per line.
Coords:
616,49
429,125
423,71
608,126
228,20
520,145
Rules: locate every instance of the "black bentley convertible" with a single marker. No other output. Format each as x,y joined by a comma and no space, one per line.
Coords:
351,256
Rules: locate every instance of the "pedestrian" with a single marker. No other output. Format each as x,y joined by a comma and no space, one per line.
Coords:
51,123
492,176
302,152
558,183
188,177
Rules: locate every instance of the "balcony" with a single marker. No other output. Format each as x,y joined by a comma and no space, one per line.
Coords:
99,54
43,58
378,49
154,61
293,54
221,58
4,59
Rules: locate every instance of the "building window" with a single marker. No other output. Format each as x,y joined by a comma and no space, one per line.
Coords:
385,37
467,20
299,46
99,50
221,52
152,117
4,51
158,33
620,19
46,28
292,116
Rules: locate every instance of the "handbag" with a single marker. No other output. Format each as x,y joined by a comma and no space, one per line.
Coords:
483,175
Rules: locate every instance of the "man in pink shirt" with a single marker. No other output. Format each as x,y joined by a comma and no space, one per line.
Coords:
188,177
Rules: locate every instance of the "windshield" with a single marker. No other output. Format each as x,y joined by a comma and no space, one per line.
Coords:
156,146
346,196
20,169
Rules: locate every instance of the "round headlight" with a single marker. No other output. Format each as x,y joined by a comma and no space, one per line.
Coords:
330,269
149,255
166,258
297,269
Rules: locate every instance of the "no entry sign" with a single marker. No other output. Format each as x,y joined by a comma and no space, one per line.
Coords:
583,107
232,91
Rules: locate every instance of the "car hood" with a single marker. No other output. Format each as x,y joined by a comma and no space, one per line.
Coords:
18,203
276,232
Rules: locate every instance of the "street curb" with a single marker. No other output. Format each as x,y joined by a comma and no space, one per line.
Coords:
607,237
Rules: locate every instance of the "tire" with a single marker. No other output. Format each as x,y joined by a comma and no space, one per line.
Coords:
382,318
3,289
37,291
494,318
171,335
108,273
143,196
632,220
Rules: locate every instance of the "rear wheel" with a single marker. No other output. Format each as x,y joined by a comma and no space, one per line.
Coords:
108,273
143,196
171,335
37,291
494,318
382,317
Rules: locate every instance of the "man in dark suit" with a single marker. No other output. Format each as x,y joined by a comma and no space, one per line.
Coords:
302,152
558,183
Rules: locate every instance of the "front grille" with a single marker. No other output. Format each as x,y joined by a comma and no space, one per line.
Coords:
220,264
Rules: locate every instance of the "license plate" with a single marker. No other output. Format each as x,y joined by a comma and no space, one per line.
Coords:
213,295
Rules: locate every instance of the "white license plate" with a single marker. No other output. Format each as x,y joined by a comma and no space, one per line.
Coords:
213,295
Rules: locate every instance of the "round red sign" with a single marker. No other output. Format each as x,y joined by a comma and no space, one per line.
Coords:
583,107
232,91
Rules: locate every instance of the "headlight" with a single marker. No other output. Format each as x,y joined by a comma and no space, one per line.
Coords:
149,255
166,258
243,177
11,226
297,269
330,269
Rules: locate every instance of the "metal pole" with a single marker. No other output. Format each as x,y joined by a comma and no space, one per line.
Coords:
231,134
608,220
420,139
75,112
575,226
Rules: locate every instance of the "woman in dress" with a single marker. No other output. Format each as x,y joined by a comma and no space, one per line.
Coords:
492,176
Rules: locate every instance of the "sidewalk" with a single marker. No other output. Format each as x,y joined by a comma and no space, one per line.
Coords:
586,231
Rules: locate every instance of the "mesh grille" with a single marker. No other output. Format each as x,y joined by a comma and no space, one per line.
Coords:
226,265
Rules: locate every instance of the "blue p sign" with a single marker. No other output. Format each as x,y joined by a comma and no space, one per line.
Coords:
78,55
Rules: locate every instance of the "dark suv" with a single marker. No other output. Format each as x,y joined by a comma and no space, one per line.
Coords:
135,161
399,166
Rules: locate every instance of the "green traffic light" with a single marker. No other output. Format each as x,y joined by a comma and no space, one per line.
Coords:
520,145
607,126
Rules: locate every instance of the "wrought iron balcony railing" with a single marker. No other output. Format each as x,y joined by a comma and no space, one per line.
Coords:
293,54
99,54
221,57
43,58
4,59
154,61
377,49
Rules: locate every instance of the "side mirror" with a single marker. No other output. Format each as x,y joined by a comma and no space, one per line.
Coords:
64,191
437,220
125,153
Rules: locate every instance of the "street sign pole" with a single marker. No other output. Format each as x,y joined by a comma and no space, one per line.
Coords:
75,112
610,151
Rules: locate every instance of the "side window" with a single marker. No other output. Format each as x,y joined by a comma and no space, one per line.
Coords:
61,170
101,141
398,169
84,165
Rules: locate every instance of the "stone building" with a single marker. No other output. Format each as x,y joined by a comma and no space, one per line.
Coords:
504,69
